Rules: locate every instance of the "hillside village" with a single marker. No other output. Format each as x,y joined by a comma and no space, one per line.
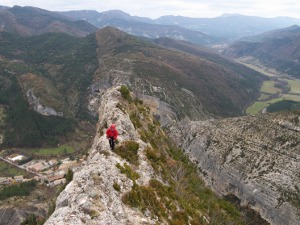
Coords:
52,172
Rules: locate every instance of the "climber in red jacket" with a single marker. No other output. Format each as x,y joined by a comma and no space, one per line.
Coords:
112,135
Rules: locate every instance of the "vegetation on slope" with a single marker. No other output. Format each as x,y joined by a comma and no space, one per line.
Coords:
22,189
274,49
180,195
58,68
284,105
192,85
27,21
25,127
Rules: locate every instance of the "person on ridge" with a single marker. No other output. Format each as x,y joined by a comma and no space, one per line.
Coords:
112,135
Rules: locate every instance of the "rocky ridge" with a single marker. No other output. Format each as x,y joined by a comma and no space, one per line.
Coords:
255,158
91,197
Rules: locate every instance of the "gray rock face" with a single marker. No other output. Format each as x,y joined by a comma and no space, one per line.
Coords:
11,216
38,107
91,197
14,216
255,158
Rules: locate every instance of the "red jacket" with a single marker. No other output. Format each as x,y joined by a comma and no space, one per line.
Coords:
112,133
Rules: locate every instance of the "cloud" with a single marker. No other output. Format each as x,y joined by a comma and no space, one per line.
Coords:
157,8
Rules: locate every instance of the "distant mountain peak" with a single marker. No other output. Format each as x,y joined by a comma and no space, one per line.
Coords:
2,7
293,27
116,11
28,21
230,14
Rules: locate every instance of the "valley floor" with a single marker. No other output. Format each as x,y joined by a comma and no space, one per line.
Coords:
278,88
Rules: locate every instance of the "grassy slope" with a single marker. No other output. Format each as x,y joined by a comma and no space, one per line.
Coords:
8,170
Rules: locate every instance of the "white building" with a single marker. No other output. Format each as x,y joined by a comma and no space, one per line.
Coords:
17,158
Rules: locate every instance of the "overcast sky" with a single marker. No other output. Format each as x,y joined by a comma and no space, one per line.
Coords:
157,8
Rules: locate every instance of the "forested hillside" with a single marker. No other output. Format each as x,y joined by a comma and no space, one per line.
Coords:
28,21
277,49
59,69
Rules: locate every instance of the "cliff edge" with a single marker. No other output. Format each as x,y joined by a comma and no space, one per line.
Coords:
256,158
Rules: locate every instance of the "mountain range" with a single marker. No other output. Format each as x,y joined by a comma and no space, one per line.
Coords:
28,21
204,31
221,29
59,76
140,26
230,26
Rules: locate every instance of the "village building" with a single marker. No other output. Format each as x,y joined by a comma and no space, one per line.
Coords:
17,158
39,166
60,181
67,165
53,162
19,178
11,156
48,172
37,178
61,172
36,167
51,179
5,180
26,180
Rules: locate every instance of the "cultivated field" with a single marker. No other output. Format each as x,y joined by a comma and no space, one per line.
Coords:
268,87
8,170
61,150
271,93
295,86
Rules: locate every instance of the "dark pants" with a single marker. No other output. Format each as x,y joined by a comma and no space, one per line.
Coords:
111,143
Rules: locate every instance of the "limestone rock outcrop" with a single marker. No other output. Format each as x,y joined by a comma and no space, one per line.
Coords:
91,197
38,107
255,158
